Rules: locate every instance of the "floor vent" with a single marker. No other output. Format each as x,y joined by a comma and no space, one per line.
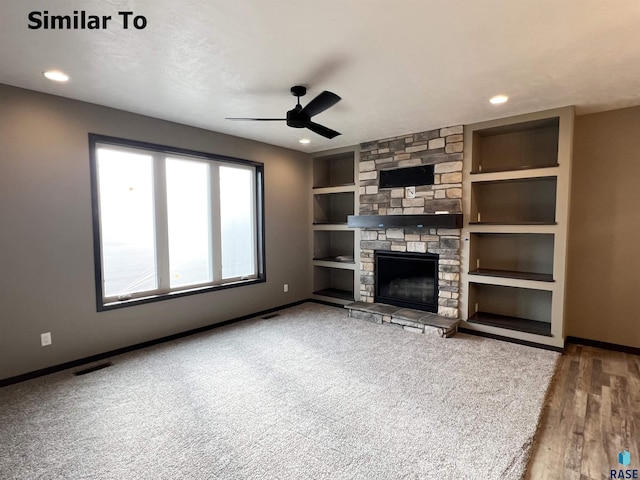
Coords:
267,317
100,366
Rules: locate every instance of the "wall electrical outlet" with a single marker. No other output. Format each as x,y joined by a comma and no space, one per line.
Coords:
45,339
286,287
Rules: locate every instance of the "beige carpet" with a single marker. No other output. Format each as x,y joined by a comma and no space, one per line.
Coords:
310,394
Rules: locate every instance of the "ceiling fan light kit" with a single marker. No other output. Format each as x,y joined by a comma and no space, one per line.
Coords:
300,117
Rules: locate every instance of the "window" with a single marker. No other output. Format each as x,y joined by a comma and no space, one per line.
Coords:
171,222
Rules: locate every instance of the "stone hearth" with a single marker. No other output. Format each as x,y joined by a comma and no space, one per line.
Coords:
409,319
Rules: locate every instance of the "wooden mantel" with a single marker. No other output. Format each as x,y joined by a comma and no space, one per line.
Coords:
435,220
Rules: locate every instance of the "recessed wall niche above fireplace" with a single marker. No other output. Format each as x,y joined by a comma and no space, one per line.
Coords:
407,280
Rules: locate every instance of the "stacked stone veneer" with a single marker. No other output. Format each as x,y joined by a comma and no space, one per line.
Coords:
442,148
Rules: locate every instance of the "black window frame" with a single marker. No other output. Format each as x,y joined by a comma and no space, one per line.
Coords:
261,277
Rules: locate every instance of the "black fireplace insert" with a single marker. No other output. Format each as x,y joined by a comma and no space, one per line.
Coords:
407,279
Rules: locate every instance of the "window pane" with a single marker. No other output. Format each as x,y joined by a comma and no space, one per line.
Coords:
125,184
237,222
188,210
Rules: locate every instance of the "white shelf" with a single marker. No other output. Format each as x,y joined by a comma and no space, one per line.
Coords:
331,264
503,228
512,282
331,227
514,174
337,189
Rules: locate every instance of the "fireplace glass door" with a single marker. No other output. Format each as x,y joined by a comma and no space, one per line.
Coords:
407,280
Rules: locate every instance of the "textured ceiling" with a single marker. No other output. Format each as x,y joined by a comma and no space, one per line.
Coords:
400,66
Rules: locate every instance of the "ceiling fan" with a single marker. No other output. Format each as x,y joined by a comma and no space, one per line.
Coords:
300,117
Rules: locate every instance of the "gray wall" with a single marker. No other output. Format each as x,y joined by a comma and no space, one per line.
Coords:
603,287
46,249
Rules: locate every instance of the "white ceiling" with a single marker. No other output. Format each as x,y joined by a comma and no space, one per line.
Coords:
400,66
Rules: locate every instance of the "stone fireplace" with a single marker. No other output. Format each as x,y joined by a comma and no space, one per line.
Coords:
442,148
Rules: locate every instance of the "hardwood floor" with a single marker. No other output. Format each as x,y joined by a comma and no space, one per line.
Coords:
592,413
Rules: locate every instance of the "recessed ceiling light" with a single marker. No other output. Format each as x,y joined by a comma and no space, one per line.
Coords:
56,75
498,99
304,141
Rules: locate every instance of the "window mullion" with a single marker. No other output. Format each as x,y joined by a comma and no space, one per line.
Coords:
161,222
215,227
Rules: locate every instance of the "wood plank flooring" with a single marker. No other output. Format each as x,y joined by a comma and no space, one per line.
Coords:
592,413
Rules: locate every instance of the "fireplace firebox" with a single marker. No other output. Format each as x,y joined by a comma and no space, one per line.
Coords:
407,279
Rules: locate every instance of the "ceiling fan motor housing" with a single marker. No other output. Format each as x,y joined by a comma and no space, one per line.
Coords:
296,118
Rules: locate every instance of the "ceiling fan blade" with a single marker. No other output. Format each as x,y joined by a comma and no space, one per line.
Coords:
321,103
258,119
322,130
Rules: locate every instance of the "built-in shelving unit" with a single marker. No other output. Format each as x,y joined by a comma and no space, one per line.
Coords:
334,197
515,205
